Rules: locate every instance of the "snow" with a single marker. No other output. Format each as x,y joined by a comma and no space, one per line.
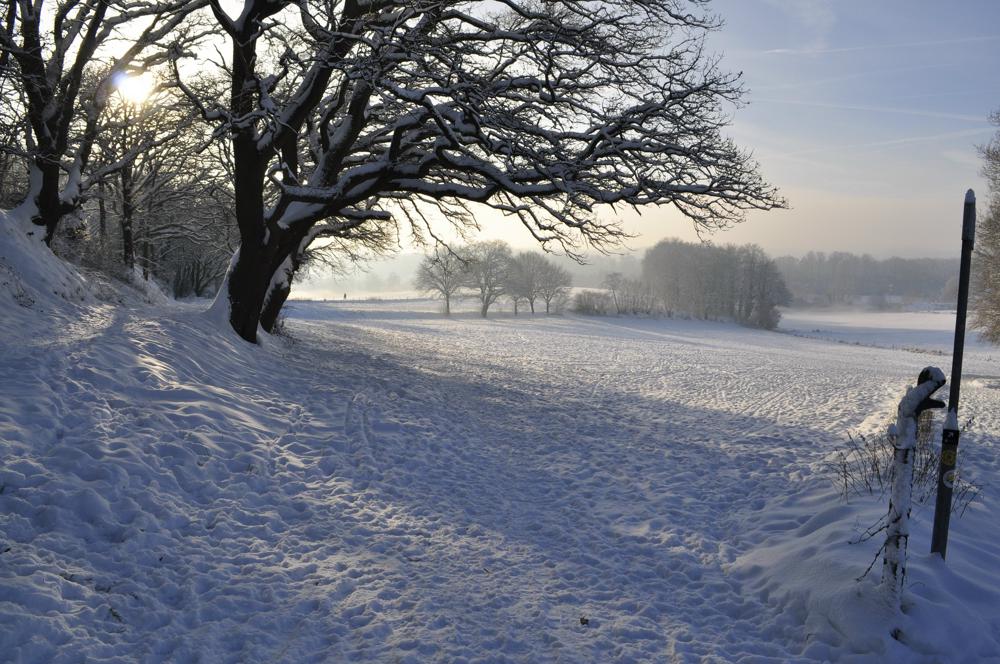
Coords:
922,331
30,275
391,485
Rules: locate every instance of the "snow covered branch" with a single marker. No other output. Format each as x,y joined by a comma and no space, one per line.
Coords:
547,113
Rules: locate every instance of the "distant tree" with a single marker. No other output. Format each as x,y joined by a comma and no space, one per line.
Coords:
986,302
527,269
629,296
770,292
514,293
843,278
554,283
441,273
164,167
729,283
668,268
592,303
13,137
613,282
986,264
487,271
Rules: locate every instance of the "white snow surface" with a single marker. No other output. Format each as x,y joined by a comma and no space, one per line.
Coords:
922,331
394,486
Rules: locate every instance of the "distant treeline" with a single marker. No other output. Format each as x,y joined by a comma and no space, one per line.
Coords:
737,283
845,278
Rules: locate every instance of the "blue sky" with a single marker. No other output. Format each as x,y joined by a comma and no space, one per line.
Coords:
866,114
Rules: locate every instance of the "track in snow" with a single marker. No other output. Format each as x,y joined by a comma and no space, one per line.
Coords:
396,486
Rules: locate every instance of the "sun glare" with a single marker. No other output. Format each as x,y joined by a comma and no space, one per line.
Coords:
134,88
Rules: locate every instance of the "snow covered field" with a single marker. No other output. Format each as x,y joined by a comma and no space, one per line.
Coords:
915,330
393,486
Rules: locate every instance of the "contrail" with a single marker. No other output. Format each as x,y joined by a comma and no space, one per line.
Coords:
872,47
879,109
890,143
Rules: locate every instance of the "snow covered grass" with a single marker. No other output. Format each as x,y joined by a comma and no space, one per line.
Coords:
390,485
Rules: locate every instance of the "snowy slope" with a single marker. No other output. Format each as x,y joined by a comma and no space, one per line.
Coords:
394,486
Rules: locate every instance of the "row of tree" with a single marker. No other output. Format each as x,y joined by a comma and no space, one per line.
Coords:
491,271
336,123
844,278
737,283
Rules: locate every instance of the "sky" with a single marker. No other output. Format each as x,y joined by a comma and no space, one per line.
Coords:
865,114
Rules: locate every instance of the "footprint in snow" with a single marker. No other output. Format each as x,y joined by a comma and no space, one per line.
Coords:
359,432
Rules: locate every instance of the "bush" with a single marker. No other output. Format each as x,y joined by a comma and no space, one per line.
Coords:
592,303
865,466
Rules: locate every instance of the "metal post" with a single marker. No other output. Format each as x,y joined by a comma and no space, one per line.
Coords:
949,437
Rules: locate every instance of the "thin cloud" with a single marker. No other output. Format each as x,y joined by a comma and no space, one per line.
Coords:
965,133
878,47
870,73
877,109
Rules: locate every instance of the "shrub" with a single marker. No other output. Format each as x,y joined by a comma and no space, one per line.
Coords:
592,303
865,466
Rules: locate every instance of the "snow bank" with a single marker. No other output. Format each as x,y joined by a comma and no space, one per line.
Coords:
30,274
810,566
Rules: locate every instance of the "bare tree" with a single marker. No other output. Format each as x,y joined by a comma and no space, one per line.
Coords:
375,113
54,47
145,184
487,271
442,273
526,269
614,281
986,265
13,136
553,285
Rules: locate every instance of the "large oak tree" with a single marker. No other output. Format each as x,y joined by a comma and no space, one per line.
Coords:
347,114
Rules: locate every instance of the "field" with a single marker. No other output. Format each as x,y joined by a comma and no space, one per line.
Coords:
390,485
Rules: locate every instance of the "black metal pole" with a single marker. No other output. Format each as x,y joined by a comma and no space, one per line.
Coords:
949,437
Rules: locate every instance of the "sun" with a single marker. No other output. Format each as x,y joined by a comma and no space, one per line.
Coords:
134,88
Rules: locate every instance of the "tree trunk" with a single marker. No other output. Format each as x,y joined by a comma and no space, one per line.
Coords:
485,308
272,308
48,208
128,213
279,288
546,307
260,285
250,277
128,243
248,284
447,305
146,259
102,211
515,307
531,303
903,435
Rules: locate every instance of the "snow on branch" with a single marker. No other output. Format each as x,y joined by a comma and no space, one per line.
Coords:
549,112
